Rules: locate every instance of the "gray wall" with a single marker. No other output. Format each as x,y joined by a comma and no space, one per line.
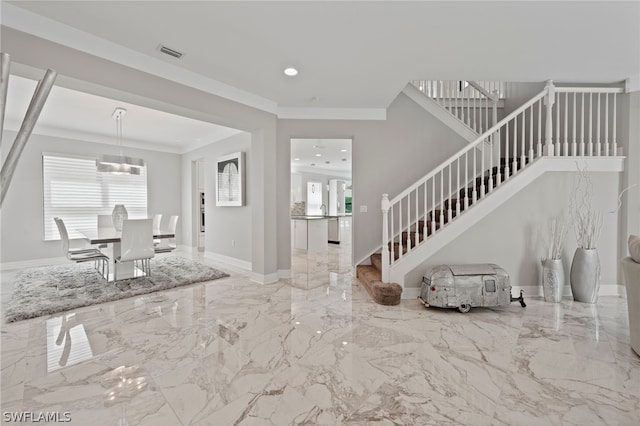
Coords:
222,224
22,225
513,236
81,71
387,157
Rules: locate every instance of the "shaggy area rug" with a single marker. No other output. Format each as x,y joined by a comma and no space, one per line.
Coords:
48,290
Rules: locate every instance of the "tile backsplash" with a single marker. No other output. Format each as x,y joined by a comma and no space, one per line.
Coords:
298,209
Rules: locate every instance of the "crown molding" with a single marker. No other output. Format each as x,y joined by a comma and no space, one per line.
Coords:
303,113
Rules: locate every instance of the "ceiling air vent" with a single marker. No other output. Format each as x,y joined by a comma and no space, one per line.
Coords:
170,52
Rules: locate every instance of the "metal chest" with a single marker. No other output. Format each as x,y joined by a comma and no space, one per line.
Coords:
466,286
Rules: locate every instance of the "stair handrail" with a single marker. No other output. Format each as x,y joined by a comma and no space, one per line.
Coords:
469,147
577,122
493,96
473,105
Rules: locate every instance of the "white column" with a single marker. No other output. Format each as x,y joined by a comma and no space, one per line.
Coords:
548,134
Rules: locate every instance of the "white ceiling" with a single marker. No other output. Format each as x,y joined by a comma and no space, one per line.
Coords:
334,159
72,114
352,55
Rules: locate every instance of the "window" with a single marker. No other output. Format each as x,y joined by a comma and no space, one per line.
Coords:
490,286
75,191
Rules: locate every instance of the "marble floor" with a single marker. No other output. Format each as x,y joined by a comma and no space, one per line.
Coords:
315,350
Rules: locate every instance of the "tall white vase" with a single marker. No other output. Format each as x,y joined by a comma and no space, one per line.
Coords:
552,280
585,275
118,216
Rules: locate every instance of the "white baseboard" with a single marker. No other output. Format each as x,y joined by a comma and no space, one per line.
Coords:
264,279
238,263
534,291
33,263
411,293
284,273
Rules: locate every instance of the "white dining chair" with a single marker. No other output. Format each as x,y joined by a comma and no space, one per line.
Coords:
81,254
136,244
157,219
104,221
168,244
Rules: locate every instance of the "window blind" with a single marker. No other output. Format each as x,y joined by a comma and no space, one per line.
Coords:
75,191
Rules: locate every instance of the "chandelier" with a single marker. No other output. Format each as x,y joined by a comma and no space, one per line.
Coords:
119,164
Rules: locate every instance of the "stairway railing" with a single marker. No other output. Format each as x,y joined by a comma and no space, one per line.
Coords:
585,125
473,103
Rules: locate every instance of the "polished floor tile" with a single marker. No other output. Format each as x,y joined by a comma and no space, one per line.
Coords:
314,349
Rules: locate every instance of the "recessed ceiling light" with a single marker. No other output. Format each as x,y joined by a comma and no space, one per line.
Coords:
291,72
296,159
318,155
344,159
313,164
343,150
327,162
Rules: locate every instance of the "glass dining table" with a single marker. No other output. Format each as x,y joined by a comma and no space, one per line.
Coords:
111,237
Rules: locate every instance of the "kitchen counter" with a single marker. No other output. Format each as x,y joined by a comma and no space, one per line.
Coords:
310,233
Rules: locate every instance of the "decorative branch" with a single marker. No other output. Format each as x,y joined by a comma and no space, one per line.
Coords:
587,221
558,233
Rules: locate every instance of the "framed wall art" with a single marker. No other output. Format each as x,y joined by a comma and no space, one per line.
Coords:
230,180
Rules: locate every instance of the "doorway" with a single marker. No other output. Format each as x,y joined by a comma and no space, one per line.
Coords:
198,216
321,221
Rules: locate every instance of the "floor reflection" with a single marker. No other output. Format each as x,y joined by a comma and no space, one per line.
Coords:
67,342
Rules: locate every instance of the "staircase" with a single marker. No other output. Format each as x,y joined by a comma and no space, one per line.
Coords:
557,123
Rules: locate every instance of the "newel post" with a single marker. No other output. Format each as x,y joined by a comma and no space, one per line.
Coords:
549,100
385,237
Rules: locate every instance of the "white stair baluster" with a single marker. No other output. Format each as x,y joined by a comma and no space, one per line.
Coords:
531,133
566,125
522,142
574,145
598,142
590,125
408,222
433,204
474,109
424,222
391,238
606,124
499,174
490,140
557,149
441,198
582,126
466,180
468,96
483,188
400,227
614,152
506,153
417,219
514,166
458,192
449,196
540,128
475,175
